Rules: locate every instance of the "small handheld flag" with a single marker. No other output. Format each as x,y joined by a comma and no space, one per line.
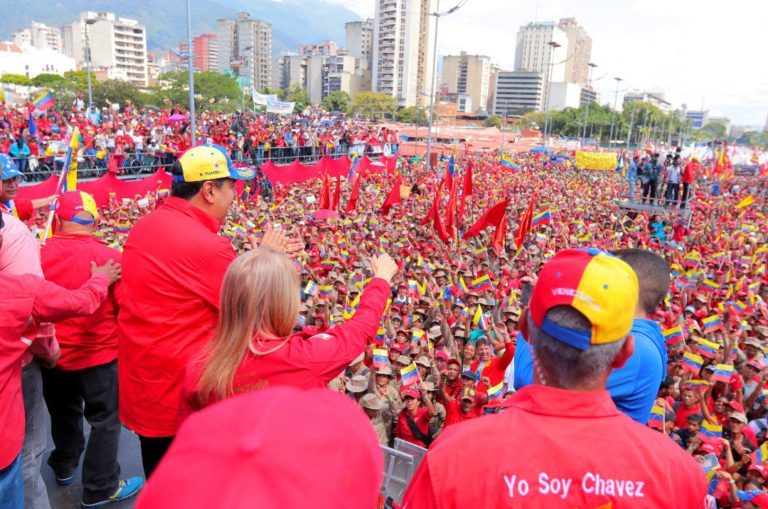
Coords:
380,358
657,418
722,373
410,375
692,363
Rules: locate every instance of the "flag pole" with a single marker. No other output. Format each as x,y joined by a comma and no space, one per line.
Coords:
62,176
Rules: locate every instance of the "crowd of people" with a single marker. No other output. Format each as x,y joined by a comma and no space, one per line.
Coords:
379,297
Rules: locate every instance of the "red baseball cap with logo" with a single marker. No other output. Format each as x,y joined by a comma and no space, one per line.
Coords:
71,203
597,284
250,451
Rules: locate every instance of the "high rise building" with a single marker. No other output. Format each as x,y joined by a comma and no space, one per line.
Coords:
118,45
39,36
518,92
323,48
245,48
469,75
294,71
359,42
654,98
206,52
321,75
403,56
698,118
534,54
579,51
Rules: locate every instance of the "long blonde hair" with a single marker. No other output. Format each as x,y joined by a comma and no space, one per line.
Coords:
260,299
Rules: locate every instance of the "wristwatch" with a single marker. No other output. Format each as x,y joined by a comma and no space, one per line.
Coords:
731,482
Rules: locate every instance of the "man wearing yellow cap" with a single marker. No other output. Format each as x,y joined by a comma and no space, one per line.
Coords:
173,264
562,442
84,382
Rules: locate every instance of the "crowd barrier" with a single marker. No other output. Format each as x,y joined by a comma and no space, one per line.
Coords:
294,173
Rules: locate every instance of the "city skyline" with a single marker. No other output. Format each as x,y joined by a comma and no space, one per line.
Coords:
672,47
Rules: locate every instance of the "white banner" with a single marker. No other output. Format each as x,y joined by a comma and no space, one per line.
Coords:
261,99
280,107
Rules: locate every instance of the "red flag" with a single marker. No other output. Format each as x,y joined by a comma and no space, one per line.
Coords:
325,194
440,229
433,209
491,217
500,235
525,223
112,165
392,198
354,195
466,191
450,213
336,194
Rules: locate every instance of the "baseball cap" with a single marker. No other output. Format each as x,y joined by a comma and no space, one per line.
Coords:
210,163
598,285
412,393
760,469
250,444
738,416
8,169
468,374
469,394
72,202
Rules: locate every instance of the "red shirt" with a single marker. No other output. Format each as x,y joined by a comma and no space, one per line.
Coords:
19,207
90,340
25,299
682,413
572,449
403,431
495,368
453,413
173,266
307,360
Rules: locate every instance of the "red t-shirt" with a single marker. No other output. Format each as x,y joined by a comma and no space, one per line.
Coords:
90,340
682,413
173,266
403,431
571,449
27,299
453,413
308,360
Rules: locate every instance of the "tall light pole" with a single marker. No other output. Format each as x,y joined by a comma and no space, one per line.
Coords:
242,83
437,16
613,112
88,22
586,109
191,75
552,46
631,121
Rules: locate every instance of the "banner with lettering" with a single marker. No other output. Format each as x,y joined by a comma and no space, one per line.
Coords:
280,107
262,99
601,161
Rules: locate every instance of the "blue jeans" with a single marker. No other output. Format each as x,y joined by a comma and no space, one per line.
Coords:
12,485
35,437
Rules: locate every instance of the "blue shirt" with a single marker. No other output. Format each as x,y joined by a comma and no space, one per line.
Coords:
633,387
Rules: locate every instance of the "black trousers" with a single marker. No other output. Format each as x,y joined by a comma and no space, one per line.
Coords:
684,199
649,191
90,393
152,451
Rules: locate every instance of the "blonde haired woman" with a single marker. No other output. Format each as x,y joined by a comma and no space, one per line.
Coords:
253,346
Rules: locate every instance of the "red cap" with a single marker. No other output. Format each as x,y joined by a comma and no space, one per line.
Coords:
736,406
441,355
411,393
454,361
249,444
400,347
73,202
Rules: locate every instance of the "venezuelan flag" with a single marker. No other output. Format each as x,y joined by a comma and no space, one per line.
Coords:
692,362
410,375
673,333
712,323
44,101
380,357
722,373
416,335
381,334
746,202
482,283
328,264
496,391
311,288
507,162
697,384
719,257
709,286
761,454
657,417
478,320
710,430
463,285
707,348
122,227
326,290
543,218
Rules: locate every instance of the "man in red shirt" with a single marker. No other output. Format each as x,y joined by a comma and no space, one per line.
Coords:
540,451
413,420
460,411
174,264
689,177
491,369
84,382
27,301
10,179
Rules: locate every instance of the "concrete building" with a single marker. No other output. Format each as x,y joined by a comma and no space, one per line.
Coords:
518,92
588,95
402,50
245,48
29,61
468,76
650,97
206,52
533,53
698,118
565,95
118,45
321,75
38,35
294,71
579,51
359,42
327,47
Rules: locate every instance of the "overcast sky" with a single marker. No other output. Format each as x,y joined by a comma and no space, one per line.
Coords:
709,52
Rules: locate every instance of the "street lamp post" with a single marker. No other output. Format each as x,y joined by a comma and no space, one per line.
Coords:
613,113
191,75
242,83
553,46
586,109
88,59
437,16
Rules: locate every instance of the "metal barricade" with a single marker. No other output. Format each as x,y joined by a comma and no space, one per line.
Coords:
414,450
399,468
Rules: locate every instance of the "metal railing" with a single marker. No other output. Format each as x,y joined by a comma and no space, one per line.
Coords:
36,169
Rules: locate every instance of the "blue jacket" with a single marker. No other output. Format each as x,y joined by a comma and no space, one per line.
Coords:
632,171
634,387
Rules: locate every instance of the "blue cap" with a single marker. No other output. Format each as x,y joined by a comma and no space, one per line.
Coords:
8,169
